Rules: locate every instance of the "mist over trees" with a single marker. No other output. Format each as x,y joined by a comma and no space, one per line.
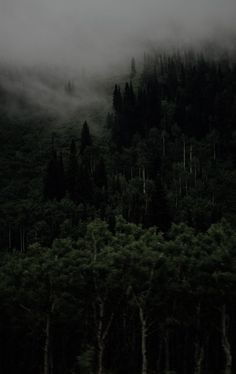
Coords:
118,247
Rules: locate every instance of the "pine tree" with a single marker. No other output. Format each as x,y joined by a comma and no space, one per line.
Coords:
72,173
117,100
86,140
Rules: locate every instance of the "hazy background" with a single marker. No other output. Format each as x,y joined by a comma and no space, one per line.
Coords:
95,33
44,44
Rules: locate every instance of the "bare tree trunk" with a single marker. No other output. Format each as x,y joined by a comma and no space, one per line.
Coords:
100,358
46,345
99,336
143,339
48,359
191,159
199,348
102,332
199,356
167,353
225,341
144,180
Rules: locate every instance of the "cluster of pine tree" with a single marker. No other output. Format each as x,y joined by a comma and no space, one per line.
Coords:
85,171
118,251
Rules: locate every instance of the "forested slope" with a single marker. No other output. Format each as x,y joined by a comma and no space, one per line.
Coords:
118,247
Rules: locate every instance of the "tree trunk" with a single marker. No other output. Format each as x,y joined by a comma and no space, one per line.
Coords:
191,159
100,358
225,341
143,340
167,353
99,336
144,180
46,345
199,356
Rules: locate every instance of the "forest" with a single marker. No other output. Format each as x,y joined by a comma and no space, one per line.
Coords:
118,246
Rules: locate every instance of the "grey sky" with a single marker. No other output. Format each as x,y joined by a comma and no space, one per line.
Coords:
94,32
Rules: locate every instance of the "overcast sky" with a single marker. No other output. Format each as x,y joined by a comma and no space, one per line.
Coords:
97,32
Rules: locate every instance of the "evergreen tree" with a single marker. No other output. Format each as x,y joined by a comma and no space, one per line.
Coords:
54,181
86,140
72,173
117,100
61,178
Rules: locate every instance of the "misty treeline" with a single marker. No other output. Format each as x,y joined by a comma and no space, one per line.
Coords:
118,249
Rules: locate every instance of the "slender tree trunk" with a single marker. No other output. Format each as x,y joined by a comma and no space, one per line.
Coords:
46,346
102,332
199,348
144,180
100,358
143,339
99,336
167,352
191,159
225,341
199,356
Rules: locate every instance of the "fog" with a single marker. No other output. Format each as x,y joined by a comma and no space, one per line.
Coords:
98,33
44,44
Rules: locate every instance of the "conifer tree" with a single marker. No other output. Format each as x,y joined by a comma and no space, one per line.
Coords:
117,99
72,172
86,140
52,178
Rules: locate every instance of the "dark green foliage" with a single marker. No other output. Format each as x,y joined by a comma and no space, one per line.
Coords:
97,290
81,289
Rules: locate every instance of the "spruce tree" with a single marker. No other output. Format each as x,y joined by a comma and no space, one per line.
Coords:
51,180
117,100
86,140
72,172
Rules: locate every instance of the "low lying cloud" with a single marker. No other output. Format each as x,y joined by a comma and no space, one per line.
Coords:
96,33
